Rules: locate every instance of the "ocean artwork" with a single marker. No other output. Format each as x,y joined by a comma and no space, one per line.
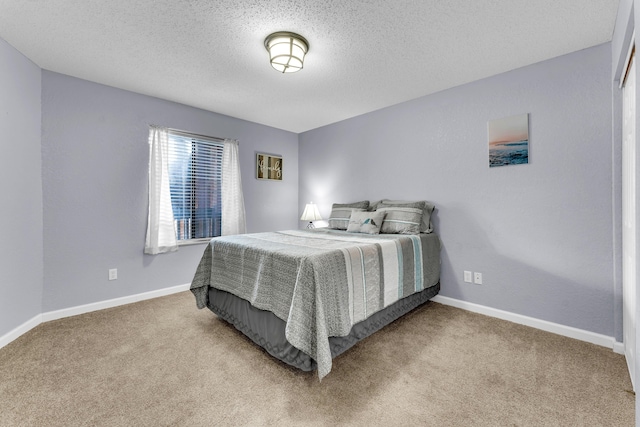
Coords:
509,140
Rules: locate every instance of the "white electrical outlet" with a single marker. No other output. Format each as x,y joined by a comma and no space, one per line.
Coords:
113,274
467,276
477,278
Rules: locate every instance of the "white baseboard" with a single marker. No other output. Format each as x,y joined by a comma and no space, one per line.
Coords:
81,309
556,328
20,330
544,325
618,347
101,305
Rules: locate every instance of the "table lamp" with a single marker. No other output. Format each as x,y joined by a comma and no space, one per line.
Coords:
310,214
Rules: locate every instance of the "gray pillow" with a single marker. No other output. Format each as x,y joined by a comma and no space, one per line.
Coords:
366,222
427,209
400,220
356,205
374,205
341,212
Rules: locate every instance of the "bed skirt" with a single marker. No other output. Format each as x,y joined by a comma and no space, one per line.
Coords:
268,331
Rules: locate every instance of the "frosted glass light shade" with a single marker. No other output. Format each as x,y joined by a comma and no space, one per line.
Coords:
286,51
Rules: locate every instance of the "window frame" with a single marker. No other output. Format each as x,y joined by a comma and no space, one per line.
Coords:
173,136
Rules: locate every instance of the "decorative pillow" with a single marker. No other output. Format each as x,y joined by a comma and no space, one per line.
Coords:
340,213
427,209
401,220
366,222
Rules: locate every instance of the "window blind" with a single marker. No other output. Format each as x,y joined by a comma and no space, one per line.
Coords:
195,180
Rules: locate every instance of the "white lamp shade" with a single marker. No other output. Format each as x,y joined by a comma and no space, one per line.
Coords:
286,51
311,213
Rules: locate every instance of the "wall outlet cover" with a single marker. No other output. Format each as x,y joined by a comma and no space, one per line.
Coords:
477,278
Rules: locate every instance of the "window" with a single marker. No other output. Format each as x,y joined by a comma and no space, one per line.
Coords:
195,189
195,180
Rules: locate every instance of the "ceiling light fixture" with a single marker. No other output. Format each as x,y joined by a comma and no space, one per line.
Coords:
286,51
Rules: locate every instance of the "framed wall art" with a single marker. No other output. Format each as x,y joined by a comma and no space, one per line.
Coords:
268,167
508,140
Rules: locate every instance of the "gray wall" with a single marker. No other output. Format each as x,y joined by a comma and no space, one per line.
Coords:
541,233
21,188
94,172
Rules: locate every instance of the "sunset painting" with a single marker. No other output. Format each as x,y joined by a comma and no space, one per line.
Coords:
509,140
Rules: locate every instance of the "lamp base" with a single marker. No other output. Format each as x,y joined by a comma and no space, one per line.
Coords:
310,225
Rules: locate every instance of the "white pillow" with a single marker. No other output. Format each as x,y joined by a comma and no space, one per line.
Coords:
366,222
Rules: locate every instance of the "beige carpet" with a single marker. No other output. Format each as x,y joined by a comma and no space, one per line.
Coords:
163,362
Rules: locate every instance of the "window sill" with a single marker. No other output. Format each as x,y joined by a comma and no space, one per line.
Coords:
191,242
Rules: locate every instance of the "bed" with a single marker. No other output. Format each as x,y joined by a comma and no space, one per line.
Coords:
307,296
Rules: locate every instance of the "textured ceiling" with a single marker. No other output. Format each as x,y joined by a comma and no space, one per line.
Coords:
364,54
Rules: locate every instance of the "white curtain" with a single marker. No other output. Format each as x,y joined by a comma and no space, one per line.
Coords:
161,232
233,213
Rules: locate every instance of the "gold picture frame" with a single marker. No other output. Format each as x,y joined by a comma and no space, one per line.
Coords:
268,167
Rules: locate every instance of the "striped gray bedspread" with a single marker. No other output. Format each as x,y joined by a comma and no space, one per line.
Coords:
320,281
